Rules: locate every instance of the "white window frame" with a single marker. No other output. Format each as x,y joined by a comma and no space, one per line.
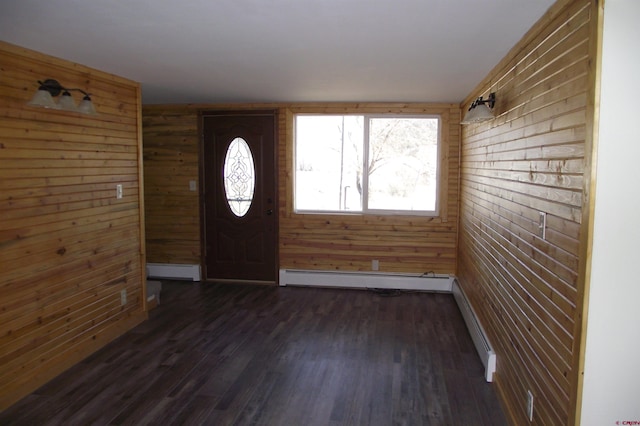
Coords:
365,159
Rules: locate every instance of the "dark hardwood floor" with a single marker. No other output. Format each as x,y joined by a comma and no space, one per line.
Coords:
223,354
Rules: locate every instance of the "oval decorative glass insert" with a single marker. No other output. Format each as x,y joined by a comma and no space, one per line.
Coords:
239,177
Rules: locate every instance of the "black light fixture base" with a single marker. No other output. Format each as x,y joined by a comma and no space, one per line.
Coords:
491,101
52,86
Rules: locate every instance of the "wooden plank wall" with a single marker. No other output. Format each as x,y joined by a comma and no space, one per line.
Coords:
532,158
171,160
324,242
67,245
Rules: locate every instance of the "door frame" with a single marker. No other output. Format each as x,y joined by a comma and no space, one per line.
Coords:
202,189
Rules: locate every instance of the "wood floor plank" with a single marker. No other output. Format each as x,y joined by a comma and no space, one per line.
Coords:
231,354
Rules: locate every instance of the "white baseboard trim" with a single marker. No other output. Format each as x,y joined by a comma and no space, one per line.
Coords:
384,280
478,335
173,271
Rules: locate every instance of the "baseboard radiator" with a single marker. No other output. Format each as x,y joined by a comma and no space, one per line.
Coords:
478,335
378,280
173,271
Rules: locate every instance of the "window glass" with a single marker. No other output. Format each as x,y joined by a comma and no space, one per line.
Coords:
361,163
403,162
329,163
239,177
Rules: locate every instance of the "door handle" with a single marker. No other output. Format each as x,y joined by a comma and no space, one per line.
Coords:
269,212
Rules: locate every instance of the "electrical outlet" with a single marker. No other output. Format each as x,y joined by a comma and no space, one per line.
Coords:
530,405
542,225
123,296
192,185
119,191
375,265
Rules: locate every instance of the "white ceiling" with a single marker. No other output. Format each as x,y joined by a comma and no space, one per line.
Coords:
209,51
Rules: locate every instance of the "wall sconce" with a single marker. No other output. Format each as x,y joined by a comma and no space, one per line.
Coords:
50,88
479,111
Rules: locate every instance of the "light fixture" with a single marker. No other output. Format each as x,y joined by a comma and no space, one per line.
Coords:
50,88
86,106
66,102
479,111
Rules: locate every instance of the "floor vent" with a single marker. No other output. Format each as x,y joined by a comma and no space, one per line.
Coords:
476,331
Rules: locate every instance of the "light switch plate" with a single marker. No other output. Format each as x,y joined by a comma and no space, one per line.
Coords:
542,225
530,405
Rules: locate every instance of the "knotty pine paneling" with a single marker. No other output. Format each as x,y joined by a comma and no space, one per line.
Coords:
333,242
532,158
68,247
171,161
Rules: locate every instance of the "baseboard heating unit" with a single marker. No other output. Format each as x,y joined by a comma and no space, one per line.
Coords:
173,271
478,335
381,280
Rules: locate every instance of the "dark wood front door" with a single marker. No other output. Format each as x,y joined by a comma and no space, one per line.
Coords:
239,195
